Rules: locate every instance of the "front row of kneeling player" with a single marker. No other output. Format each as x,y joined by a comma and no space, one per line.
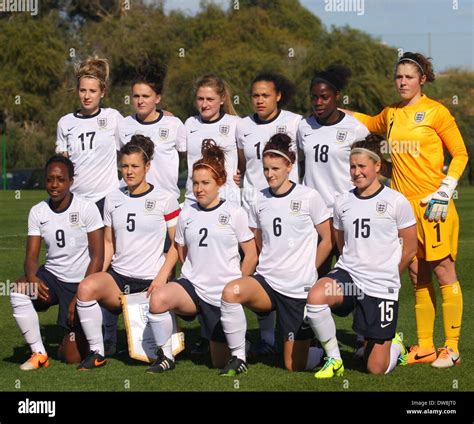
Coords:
280,233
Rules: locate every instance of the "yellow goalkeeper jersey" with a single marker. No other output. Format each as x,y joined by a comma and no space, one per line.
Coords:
417,135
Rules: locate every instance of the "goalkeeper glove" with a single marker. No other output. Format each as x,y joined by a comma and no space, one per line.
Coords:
438,202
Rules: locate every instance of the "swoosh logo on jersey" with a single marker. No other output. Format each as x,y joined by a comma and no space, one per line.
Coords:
245,135
434,247
453,327
345,210
117,206
306,135
70,129
193,131
127,135
42,223
384,325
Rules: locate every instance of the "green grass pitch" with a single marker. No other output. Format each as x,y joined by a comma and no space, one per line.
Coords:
124,374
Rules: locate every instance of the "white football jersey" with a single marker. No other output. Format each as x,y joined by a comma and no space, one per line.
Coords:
289,238
252,136
140,224
91,143
223,132
372,249
212,238
169,136
65,236
326,151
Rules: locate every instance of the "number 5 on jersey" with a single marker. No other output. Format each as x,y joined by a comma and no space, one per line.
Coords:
131,222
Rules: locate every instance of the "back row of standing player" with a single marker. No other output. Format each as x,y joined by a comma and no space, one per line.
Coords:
92,135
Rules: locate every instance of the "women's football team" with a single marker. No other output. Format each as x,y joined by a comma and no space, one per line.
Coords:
271,249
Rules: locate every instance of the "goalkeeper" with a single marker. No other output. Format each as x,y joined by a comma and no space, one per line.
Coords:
418,129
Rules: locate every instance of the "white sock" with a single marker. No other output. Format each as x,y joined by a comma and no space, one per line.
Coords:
322,323
168,346
110,325
267,327
162,327
90,316
27,319
395,351
315,354
234,325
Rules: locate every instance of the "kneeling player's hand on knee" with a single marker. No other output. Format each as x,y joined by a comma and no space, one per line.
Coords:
438,202
41,291
157,282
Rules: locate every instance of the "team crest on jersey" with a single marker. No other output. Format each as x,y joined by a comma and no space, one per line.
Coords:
341,136
381,207
224,129
74,218
150,204
419,116
280,129
224,218
102,123
295,205
163,133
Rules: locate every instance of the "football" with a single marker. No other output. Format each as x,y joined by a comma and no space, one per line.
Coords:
73,348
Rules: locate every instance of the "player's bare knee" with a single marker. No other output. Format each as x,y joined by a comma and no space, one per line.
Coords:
159,301
445,272
87,290
232,292
318,294
314,298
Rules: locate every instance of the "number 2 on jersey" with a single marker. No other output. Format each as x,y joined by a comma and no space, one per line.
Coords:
203,232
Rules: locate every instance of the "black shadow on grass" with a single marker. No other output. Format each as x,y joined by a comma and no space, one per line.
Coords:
52,336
